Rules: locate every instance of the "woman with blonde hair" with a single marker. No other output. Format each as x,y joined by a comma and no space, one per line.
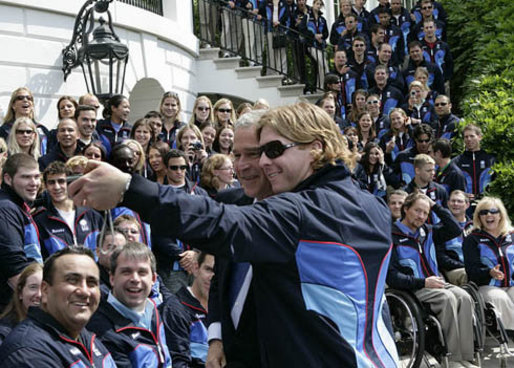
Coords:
21,104
26,294
217,174
202,111
170,109
224,113
398,137
489,259
417,107
24,137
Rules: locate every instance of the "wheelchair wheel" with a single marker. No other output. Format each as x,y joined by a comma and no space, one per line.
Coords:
408,327
479,317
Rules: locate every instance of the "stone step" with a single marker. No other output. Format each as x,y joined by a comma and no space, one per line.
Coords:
227,63
209,53
293,90
248,72
270,81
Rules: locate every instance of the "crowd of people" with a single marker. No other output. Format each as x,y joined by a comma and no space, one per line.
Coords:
245,234
411,45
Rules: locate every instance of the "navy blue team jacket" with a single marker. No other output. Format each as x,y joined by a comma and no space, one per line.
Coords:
320,257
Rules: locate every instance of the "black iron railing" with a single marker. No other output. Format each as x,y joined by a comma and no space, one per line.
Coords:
280,50
154,6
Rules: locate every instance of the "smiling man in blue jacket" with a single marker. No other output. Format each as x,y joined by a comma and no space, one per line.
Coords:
319,247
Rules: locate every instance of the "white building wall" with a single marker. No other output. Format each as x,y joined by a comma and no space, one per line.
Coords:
33,33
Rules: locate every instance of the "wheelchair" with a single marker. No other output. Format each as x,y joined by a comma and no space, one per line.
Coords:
489,324
418,334
416,330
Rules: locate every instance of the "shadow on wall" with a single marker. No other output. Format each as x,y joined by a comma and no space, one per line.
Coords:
145,96
44,87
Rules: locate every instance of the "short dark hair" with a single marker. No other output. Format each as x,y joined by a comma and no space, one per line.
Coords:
415,44
422,129
444,146
200,258
134,250
81,108
100,238
153,114
375,27
358,38
175,153
17,161
55,168
411,199
49,269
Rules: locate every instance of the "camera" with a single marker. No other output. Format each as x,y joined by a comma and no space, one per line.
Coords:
197,146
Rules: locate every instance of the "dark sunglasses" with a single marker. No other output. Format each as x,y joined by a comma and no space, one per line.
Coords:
492,211
170,94
201,108
441,104
23,97
426,8
24,131
176,167
225,110
275,149
422,140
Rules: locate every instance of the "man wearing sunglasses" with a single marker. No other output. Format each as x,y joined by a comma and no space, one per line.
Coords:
175,259
319,247
447,122
403,165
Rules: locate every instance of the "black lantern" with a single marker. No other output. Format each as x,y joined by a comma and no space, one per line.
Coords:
103,58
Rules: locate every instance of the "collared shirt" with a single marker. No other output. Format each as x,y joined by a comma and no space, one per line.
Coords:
140,319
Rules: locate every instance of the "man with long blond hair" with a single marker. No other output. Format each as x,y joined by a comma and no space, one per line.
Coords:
319,247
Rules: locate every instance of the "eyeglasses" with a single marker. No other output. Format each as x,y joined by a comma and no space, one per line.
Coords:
24,97
374,102
422,140
426,8
492,211
24,131
358,45
225,110
440,104
176,167
201,108
275,149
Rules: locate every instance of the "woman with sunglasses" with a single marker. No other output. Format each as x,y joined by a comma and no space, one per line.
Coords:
170,108
21,104
217,174
23,137
489,259
202,111
224,113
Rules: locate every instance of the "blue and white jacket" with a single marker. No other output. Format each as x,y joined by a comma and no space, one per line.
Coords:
482,252
298,243
414,253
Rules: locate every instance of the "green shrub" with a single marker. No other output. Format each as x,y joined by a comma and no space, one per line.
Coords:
481,37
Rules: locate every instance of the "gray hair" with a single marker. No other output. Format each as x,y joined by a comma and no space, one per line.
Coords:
249,119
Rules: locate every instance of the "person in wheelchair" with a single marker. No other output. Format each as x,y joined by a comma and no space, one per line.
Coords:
413,267
450,256
489,257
